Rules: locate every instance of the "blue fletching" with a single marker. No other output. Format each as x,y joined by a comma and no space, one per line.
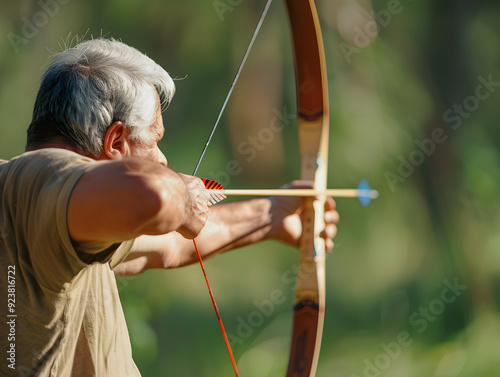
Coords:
364,193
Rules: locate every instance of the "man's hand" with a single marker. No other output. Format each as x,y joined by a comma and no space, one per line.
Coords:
285,215
196,214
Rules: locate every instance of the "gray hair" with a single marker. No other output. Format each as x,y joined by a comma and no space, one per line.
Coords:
92,85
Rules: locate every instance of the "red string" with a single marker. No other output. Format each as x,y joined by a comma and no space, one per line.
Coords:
217,311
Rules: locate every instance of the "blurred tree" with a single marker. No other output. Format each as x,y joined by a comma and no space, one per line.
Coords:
414,93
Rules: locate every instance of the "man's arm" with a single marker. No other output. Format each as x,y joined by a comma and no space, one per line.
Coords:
121,200
230,225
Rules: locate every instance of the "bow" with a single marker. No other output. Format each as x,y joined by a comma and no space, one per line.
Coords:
312,105
313,127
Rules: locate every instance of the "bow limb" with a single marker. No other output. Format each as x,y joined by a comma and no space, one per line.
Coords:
313,126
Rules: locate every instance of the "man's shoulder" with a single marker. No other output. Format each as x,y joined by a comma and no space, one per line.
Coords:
53,154
47,162
48,157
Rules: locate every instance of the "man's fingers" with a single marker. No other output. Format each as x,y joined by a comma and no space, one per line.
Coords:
330,231
328,245
327,234
196,187
332,217
330,204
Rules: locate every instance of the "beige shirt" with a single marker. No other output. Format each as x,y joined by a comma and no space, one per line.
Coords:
65,313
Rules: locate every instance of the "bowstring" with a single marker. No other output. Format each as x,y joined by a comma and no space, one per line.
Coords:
233,83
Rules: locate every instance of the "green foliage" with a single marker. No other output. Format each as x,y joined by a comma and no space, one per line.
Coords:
436,221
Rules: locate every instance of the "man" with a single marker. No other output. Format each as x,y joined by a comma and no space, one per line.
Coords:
93,197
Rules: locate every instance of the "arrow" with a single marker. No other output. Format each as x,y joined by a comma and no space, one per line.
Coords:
364,193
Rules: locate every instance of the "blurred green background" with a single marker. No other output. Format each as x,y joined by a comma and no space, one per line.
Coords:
412,285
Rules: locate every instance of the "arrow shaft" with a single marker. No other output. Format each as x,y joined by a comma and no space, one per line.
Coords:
338,193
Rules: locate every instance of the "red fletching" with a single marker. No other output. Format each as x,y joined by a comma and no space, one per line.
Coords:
213,185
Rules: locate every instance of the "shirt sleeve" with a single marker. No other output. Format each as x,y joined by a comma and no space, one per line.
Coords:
43,183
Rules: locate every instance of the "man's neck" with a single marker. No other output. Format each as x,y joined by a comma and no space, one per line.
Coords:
58,145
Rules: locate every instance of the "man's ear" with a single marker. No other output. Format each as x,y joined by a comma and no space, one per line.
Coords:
116,145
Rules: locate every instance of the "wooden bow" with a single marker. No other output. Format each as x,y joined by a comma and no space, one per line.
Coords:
312,105
313,126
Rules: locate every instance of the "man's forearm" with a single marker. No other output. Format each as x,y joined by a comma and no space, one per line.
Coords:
234,225
230,225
